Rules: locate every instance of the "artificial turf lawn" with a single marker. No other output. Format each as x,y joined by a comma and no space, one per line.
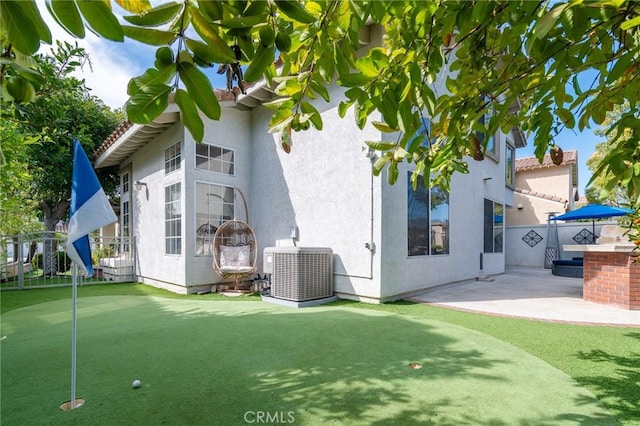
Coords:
210,361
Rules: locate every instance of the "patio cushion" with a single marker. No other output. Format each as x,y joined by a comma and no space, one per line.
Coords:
235,258
568,262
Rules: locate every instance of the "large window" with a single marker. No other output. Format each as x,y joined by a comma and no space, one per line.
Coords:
172,158
491,144
510,166
214,206
215,159
173,219
125,214
427,220
493,226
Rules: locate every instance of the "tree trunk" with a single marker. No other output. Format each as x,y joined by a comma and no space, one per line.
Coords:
52,215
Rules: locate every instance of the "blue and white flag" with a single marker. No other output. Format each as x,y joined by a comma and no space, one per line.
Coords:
90,209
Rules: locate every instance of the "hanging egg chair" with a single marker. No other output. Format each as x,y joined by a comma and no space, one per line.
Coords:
235,250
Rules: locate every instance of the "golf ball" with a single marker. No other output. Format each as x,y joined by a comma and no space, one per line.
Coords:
136,384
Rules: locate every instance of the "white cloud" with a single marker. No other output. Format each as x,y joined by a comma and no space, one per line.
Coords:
112,64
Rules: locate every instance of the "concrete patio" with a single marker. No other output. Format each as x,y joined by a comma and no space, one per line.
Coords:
532,293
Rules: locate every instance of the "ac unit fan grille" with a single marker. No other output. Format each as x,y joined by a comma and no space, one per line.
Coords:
302,276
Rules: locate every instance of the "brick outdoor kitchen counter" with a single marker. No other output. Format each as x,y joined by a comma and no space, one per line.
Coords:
610,276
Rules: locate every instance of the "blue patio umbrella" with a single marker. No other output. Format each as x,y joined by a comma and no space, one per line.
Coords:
593,212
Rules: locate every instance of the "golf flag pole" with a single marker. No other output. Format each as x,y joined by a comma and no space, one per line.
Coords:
89,210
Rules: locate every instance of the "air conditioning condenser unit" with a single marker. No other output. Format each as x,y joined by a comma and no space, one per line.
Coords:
299,273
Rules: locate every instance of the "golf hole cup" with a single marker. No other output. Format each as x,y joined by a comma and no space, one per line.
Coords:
136,384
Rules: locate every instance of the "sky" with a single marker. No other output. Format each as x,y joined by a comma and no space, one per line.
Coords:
114,64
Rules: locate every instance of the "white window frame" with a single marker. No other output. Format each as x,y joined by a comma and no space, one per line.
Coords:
172,158
204,243
510,164
173,239
210,158
494,247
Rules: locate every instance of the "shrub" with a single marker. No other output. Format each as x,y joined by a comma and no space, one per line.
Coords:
63,262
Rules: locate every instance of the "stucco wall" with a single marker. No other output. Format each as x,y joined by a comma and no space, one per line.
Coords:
534,210
554,180
519,253
324,186
147,165
403,274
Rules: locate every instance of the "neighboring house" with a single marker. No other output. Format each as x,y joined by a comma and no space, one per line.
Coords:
543,188
388,241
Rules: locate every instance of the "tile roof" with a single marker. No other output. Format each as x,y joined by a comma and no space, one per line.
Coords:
540,195
221,95
532,163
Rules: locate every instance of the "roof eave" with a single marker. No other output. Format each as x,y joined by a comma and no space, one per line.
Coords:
135,137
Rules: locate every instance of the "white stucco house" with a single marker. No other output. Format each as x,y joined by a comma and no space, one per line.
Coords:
388,242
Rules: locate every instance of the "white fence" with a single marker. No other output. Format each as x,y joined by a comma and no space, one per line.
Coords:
526,244
39,260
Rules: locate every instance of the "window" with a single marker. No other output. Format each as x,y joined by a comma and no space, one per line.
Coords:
427,220
214,206
493,223
172,219
126,227
491,144
125,215
510,166
124,183
439,221
172,158
215,159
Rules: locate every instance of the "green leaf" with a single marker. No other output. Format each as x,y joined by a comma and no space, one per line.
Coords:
199,88
149,36
548,21
353,80
189,115
280,120
206,52
392,173
37,23
156,16
211,9
243,22
381,145
67,15
314,117
367,67
383,127
343,107
148,103
15,19
151,77
566,117
134,6
294,10
620,66
210,36
626,25
101,19
379,164
320,89
262,59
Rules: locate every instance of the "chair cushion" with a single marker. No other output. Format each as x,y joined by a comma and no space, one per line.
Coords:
235,257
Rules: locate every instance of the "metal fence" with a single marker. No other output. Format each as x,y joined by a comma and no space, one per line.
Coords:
39,260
